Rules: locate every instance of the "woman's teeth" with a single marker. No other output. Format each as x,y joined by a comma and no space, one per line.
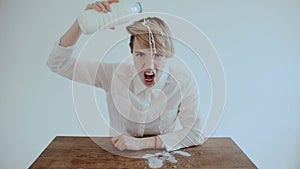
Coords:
149,75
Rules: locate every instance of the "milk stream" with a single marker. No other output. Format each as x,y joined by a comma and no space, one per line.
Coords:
151,39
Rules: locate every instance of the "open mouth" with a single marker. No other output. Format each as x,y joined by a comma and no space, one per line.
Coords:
149,77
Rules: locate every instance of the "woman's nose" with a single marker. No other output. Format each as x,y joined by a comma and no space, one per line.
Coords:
149,63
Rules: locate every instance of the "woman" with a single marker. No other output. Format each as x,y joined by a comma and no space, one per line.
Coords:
144,99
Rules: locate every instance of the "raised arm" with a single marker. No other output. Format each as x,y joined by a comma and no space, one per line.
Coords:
61,62
71,36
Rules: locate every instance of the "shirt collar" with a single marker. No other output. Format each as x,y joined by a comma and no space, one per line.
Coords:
139,85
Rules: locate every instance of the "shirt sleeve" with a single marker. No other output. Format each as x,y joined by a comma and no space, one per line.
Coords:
61,62
190,134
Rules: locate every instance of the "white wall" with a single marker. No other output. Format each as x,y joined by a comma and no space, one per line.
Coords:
258,43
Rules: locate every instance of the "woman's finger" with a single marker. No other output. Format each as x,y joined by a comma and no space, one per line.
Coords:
106,5
89,6
115,139
118,144
121,145
97,8
100,5
112,1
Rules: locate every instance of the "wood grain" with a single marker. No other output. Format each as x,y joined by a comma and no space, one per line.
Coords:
91,153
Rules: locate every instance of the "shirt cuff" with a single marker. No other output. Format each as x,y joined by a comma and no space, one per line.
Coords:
182,138
171,141
62,51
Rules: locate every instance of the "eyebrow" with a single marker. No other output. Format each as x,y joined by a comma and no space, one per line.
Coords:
139,52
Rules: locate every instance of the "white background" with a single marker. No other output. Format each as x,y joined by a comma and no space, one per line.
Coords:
258,43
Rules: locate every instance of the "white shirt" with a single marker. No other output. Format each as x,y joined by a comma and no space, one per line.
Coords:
135,109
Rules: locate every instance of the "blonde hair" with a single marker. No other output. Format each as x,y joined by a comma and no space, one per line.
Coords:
161,34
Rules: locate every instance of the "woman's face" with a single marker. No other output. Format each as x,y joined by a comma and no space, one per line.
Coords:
149,67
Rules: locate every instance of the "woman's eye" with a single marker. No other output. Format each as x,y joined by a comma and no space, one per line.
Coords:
139,55
158,56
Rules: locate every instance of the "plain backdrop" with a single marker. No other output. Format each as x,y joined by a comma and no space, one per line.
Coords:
258,43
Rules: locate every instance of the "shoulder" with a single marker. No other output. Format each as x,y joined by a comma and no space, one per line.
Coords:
179,70
182,74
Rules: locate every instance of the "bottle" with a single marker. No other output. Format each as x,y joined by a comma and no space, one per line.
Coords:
91,20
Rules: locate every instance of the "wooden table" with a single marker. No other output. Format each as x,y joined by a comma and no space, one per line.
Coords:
83,153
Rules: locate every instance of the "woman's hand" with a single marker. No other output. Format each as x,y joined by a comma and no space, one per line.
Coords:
101,6
74,32
123,142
